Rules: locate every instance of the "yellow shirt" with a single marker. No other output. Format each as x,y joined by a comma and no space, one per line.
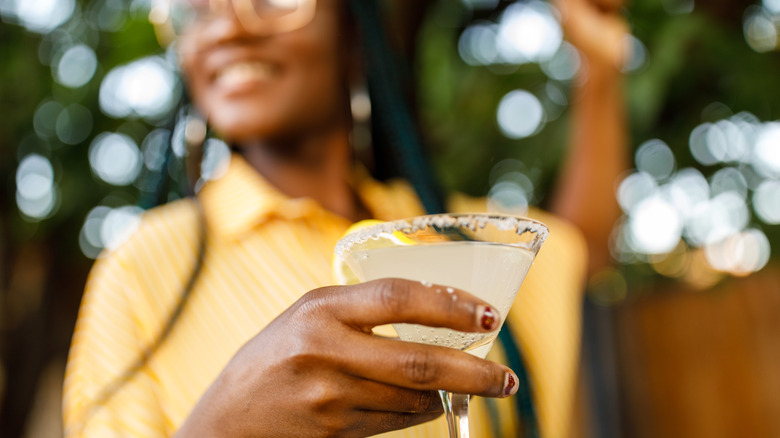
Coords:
264,252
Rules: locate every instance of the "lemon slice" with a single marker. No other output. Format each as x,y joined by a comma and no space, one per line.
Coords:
342,273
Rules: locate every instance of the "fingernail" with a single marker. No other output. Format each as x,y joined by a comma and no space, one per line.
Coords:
488,318
510,388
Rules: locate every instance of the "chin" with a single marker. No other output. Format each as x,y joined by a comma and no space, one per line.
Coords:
237,127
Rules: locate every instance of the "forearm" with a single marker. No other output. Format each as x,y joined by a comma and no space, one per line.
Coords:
597,155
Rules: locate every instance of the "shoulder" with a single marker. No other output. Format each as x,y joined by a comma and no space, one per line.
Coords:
145,274
162,228
157,253
174,219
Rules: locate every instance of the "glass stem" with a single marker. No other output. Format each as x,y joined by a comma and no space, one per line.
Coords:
456,409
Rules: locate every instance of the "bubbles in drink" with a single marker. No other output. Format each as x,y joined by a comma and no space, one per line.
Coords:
492,272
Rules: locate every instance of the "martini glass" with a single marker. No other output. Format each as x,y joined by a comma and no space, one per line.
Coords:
486,255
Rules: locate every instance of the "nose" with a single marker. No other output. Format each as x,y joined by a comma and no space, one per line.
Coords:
226,24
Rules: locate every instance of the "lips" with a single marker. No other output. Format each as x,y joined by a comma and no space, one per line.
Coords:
244,73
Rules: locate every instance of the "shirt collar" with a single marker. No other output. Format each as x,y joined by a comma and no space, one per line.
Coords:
242,199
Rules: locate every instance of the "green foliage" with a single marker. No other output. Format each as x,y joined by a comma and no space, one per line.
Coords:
458,109
695,60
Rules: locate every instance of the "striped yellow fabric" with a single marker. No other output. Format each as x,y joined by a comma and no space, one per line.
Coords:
264,252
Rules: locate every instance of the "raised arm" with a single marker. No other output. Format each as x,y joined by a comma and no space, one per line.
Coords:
598,143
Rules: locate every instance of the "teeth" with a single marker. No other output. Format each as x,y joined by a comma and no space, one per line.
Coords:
245,71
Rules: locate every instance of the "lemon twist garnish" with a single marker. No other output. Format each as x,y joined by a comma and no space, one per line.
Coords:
342,273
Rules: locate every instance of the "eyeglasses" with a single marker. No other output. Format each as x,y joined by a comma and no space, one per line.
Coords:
260,17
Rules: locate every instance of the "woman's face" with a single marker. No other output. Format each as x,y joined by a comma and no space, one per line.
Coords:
279,86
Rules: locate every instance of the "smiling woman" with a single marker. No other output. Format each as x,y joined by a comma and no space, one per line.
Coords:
277,85
215,317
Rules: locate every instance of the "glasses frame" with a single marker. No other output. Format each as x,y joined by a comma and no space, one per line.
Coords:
160,16
252,21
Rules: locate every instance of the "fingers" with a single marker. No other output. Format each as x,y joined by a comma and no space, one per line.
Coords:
372,423
388,301
374,396
406,364
426,367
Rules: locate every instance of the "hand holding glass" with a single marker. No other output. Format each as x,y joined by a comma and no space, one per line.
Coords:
485,255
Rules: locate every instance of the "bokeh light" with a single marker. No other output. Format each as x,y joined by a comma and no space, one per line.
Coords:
760,30
773,6
115,158
76,66
673,264
766,202
698,145
712,215
687,190
477,44
726,142
655,226
525,32
36,190
507,197
634,189
564,64
730,140
529,32
655,158
512,187
40,16
119,224
45,119
766,155
520,114
153,148
106,227
145,88
109,15
90,241
74,124
717,219
739,254
554,100
728,179
216,159
637,54
607,287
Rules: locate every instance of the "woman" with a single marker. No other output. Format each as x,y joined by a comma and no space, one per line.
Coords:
261,345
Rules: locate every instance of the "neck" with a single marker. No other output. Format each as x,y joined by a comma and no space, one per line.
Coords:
316,167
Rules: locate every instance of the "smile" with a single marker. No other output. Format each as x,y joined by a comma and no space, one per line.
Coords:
245,72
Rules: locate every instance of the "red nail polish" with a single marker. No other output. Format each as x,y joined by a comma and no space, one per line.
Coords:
488,318
510,384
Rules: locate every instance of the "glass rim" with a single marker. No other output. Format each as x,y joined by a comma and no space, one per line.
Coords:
503,222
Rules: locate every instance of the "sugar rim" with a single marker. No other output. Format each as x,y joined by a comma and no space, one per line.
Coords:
521,225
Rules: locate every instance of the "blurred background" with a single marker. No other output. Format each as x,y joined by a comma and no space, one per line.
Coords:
682,335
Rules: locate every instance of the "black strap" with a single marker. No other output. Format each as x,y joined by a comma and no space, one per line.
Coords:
110,390
392,113
524,402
